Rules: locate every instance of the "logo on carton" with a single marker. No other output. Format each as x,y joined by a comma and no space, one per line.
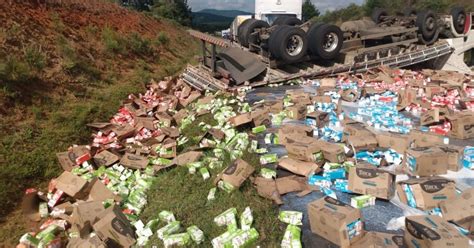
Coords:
434,185
399,240
468,127
366,173
231,169
420,231
119,226
334,201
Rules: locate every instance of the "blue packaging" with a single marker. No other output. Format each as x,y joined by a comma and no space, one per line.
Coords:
335,174
409,194
342,185
319,181
468,158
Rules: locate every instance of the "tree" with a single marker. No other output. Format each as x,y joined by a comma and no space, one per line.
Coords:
309,10
177,10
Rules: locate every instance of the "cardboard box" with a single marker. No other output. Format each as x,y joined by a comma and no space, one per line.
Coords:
236,173
397,142
369,180
93,241
335,221
134,161
423,161
84,215
291,131
460,210
123,132
180,115
261,117
304,151
363,142
317,119
380,240
296,112
426,193
334,153
99,192
114,229
105,158
455,156
294,184
426,139
68,161
356,129
71,184
462,125
299,97
321,99
267,188
328,82
240,119
430,117
432,90
186,158
350,95
431,231
298,167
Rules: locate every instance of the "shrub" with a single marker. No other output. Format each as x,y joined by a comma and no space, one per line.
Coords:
162,39
139,45
112,42
13,69
58,23
35,57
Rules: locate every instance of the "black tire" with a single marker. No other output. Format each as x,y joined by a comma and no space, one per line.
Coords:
377,15
249,28
459,19
430,41
287,20
427,24
279,44
318,41
409,12
242,26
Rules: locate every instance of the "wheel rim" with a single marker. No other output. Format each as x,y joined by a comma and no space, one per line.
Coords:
295,45
331,41
461,20
430,23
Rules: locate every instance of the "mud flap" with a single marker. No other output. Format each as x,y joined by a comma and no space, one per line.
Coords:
242,65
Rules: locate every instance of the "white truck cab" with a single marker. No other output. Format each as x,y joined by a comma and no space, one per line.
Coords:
269,10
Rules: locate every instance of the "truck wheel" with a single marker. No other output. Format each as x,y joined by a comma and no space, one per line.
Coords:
459,19
427,24
242,26
378,14
288,44
325,40
409,12
430,41
248,29
287,20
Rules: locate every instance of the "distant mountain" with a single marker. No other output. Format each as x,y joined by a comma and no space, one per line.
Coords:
227,13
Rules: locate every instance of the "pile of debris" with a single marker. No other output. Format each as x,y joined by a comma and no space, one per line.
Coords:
332,148
354,137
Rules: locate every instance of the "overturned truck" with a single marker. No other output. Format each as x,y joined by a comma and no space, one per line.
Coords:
274,48
288,40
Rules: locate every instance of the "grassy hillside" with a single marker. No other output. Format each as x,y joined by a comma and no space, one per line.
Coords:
62,67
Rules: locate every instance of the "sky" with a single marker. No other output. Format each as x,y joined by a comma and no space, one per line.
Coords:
248,5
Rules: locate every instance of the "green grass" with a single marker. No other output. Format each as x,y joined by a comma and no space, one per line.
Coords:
186,196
